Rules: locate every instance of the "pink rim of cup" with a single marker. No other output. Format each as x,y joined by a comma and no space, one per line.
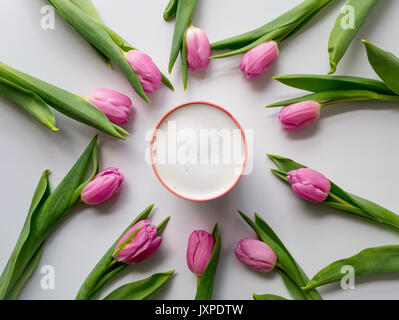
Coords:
238,126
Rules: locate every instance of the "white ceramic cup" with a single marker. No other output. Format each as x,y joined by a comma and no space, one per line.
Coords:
198,151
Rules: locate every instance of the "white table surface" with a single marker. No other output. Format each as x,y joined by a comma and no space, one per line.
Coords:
354,144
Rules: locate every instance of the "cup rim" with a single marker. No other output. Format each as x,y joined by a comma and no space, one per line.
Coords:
242,135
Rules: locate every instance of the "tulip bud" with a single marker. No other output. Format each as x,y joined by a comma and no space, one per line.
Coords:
148,73
104,185
259,59
309,184
299,115
198,49
115,105
199,251
138,243
256,255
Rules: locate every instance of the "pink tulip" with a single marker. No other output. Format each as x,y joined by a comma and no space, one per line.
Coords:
199,251
149,74
143,243
309,184
198,49
104,185
115,105
299,115
259,59
256,255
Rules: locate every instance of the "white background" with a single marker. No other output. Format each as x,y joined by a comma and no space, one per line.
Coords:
354,144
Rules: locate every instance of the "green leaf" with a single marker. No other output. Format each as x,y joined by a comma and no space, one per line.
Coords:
291,18
167,82
162,225
94,33
63,101
269,297
337,96
269,231
170,10
378,260
292,287
320,83
340,37
45,213
295,291
287,263
285,164
61,199
27,273
140,290
308,18
88,7
28,101
206,281
94,171
379,213
106,268
184,13
184,67
8,281
121,42
385,64
282,175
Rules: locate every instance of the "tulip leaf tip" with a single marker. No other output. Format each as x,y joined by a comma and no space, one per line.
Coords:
273,105
52,127
162,225
332,70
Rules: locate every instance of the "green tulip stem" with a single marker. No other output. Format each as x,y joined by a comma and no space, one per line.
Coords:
278,265
328,103
338,199
112,263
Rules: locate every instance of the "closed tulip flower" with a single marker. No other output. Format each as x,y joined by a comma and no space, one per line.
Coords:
199,251
259,59
198,49
104,185
148,73
256,255
138,243
115,105
299,115
309,184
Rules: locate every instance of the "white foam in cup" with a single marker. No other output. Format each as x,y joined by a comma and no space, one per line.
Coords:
198,151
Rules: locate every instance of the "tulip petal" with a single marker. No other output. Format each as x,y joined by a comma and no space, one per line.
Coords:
199,251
